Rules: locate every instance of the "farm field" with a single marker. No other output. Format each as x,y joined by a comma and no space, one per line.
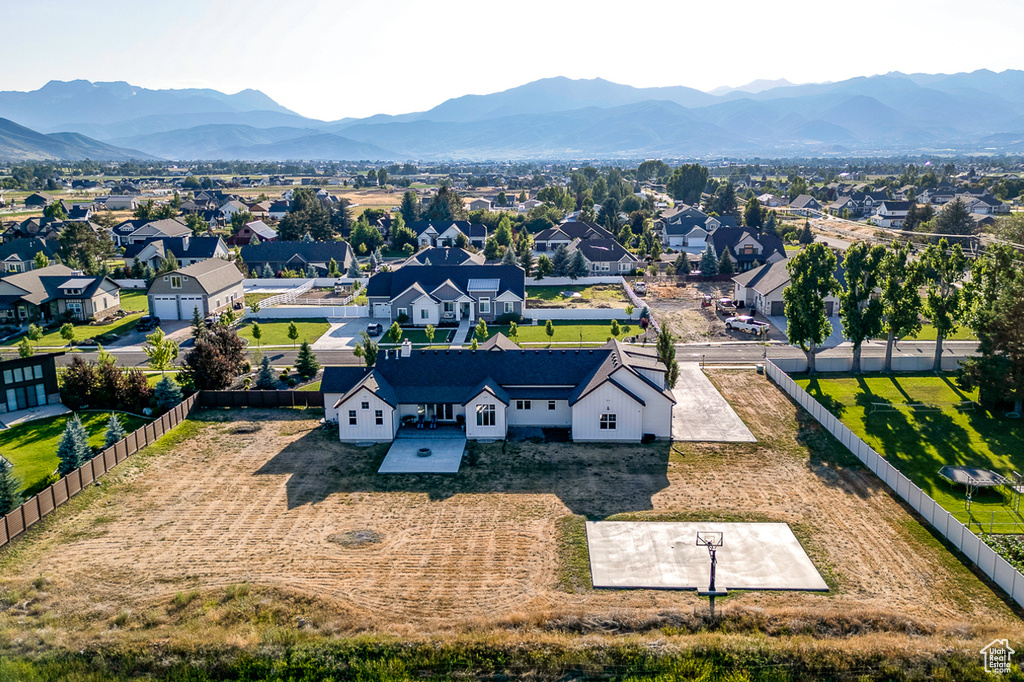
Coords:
919,441
254,529
275,332
32,447
568,331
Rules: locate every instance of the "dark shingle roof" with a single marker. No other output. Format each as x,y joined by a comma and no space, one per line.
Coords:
181,247
391,284
26,249
602,250
728,237
442,255
341,379
310,252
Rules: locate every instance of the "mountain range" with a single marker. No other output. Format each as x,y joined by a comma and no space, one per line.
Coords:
552,118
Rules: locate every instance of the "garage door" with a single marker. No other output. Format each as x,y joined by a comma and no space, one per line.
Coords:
190,303
382,310
778,308
829,305
165,307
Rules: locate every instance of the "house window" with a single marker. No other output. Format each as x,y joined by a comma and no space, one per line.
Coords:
551,404
607,422
449,306
352,418
365,405
378,417
75,307
403,312
509,307
485,306
38,371
485,415
424,314
625,267
523,405
18,375
175,282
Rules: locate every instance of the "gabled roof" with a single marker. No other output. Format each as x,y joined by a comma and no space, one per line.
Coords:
439,226
341,379
391,284
181,247
46,284
442,255
726,238
764,279
310,252
261,229
499,342
26,249
573,230
803,201
167,227
213,275
602,250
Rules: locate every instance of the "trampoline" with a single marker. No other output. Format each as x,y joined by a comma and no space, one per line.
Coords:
972,477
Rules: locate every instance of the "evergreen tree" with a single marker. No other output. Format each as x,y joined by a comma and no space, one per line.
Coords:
310,271
10,489
509,258
306,363
544,267
667,355
725,265
682,264
954,218
481,330
753,214
73,450
491,249
577,266
708,262
115,431
167,393
267,272
806,236
265,379
771,225
197,322
332,268
560,261
353,270
410,208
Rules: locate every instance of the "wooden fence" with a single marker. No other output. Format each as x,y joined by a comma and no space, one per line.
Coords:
38,506
261,398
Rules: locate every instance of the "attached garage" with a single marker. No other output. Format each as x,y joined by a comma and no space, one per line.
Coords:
778,308
165,307
188,304
382,310
213,285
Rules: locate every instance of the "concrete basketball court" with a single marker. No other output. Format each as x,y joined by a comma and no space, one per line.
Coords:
343,333
701,413
754,556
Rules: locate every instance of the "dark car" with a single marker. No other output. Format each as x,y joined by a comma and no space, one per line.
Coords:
374,329
147,324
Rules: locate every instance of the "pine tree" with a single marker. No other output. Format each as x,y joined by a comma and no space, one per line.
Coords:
725,266
267,272
10,489
806,236
560,261
73,450
509,258
708,262
577,266
306,364
115,431
197,322
167,393
265,380
353,270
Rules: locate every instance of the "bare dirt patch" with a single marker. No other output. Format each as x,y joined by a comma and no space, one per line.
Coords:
484,550
679,305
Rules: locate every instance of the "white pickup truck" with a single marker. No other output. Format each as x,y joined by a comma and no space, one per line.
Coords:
746,323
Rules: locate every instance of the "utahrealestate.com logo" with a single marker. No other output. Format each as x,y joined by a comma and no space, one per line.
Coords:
996,656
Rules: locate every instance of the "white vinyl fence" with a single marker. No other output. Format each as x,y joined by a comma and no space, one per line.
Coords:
900,363
609,314
290,282
579,282
990,563
295,312
131,283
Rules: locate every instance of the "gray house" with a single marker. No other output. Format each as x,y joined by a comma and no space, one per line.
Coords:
212,286
447,294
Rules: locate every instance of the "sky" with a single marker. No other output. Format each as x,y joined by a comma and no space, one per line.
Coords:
331,59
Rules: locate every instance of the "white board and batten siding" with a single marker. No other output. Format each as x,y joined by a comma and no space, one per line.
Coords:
473,430
607,399
424,312
539,413
366,428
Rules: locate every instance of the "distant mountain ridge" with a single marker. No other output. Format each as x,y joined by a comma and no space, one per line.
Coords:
558,117
18,143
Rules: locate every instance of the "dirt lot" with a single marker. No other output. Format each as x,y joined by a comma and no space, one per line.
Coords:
680,307
265,499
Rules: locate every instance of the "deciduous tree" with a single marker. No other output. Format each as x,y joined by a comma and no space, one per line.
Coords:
667,354
944,304
215,359
812,278
899,279
161,351
860,313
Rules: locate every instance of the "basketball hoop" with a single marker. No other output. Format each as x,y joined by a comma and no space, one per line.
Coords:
713,540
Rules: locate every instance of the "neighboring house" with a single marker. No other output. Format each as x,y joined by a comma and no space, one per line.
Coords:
612,393
55,292
18,255
187,250
892,213
761,290
121,202
29,382
279,209
140,231
529,205
442,255
297,256
479,205
546,241
39,200
230,208
258,229
446,232
747,248
436,294
804,204
770,200
212,286
687,227
605,256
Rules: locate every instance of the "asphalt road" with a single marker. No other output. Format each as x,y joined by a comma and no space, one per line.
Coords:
740,352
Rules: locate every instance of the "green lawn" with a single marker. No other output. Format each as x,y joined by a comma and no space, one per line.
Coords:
256,298
134,300
568,331
85,331
315,386
32,447
597,293
442,335
919,442
927,333
275,332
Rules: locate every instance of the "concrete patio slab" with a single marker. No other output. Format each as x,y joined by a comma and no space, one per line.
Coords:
701,413
445,457
343,333
9,419
754,556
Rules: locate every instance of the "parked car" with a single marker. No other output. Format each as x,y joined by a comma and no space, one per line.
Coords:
374,329
147,323
725,306
745,323
640,288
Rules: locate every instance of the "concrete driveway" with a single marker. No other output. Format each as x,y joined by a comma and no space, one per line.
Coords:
832,341
701,413
343,333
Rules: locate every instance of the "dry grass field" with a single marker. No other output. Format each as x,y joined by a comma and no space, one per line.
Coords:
243,529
